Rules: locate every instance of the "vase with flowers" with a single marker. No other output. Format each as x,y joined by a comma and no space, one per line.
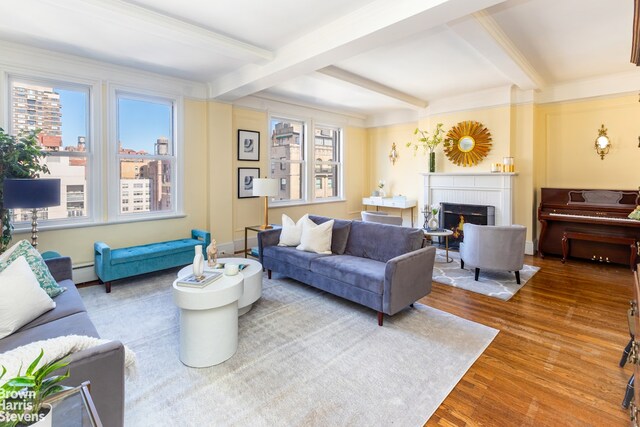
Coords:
381,191
428,143
433,223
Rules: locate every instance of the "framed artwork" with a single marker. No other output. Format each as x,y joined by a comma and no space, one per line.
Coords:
248,145
245,182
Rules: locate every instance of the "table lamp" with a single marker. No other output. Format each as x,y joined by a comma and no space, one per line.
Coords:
31,194
267,187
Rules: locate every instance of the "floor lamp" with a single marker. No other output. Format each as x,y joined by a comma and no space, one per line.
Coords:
267,187
31,194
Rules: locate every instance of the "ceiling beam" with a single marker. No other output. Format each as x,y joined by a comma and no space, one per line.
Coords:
484,35
363,82
165,26
364,29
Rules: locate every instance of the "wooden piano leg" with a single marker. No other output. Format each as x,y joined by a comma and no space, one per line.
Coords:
565,247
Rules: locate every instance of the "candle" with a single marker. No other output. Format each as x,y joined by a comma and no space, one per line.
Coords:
231,269
507,164
496,167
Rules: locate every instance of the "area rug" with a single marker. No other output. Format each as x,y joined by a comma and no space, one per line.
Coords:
497,284
304,358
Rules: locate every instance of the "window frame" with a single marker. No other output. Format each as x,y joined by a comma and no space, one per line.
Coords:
114,157
93,143
309,162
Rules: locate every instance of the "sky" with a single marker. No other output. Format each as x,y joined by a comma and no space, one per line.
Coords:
140,123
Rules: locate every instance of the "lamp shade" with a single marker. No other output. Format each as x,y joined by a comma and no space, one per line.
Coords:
30,193
265,187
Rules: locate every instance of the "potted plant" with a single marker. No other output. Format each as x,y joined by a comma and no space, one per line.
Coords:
429,144
21,397
20,157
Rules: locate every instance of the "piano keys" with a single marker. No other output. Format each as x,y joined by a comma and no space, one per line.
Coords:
601,214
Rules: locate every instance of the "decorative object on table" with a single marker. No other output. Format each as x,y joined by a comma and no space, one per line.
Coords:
205,279
602,144
429,144
22,397
20,157
265,187
248,145
198,263
635,214
508,165
496,167
212,253
433,223
31,194
470,142
245,182
381,192
393,154
231,269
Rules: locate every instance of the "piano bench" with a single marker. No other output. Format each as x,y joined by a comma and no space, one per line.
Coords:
601,238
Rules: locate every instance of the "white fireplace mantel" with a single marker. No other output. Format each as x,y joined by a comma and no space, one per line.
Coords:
481,188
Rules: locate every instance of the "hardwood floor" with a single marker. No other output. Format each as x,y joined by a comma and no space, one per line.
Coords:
555,360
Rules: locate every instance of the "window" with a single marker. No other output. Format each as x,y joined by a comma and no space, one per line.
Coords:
318,179
328,163
145,153
287,152
61,111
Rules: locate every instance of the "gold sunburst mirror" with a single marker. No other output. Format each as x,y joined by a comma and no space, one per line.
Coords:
470,142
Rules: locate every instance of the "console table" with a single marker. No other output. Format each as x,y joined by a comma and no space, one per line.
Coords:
390,202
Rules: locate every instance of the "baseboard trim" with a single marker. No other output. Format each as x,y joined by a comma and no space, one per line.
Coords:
530,247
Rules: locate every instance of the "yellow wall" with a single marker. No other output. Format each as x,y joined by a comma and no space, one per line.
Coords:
78,242
568,131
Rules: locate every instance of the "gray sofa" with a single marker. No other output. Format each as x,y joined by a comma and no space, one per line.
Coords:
102,365
383,267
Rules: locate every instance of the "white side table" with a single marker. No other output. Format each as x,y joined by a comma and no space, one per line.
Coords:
441,233
208,320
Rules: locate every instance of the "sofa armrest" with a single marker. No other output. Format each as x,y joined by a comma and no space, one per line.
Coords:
407,278
60,268
103,366
268,238
205,236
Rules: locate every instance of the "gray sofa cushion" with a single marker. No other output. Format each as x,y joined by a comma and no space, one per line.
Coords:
291,255
67,303
339,233
390,241
363,273
75,324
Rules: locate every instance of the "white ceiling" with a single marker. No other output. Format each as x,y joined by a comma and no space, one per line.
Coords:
362,56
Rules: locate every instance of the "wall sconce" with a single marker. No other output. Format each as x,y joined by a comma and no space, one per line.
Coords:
603,144
393,155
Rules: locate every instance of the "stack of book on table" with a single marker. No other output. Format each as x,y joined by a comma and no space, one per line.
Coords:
191,281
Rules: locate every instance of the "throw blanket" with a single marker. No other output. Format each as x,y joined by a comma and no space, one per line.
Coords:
56,349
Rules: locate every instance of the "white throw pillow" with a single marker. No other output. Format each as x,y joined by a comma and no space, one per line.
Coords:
291,232
316,238
21,297
5,255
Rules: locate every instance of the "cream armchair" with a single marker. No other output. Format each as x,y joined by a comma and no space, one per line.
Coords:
490,247
381,217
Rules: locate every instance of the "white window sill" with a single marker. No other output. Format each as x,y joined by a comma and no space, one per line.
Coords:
62,226
275,205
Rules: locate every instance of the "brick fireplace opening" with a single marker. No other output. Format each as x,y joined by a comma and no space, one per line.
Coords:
454,215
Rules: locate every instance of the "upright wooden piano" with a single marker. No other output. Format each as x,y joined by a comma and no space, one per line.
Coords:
590,224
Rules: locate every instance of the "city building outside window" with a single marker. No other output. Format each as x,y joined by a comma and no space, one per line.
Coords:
316,180
61,112
145,152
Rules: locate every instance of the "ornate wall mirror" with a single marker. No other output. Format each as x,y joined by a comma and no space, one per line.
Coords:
470,142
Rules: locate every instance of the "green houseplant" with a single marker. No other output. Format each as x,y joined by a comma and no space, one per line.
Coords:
21,397
429,143
20,157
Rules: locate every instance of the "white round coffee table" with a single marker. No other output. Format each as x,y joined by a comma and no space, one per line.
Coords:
441,233
252,280
208,320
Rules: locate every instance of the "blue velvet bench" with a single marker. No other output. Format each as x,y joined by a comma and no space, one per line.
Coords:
114,264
